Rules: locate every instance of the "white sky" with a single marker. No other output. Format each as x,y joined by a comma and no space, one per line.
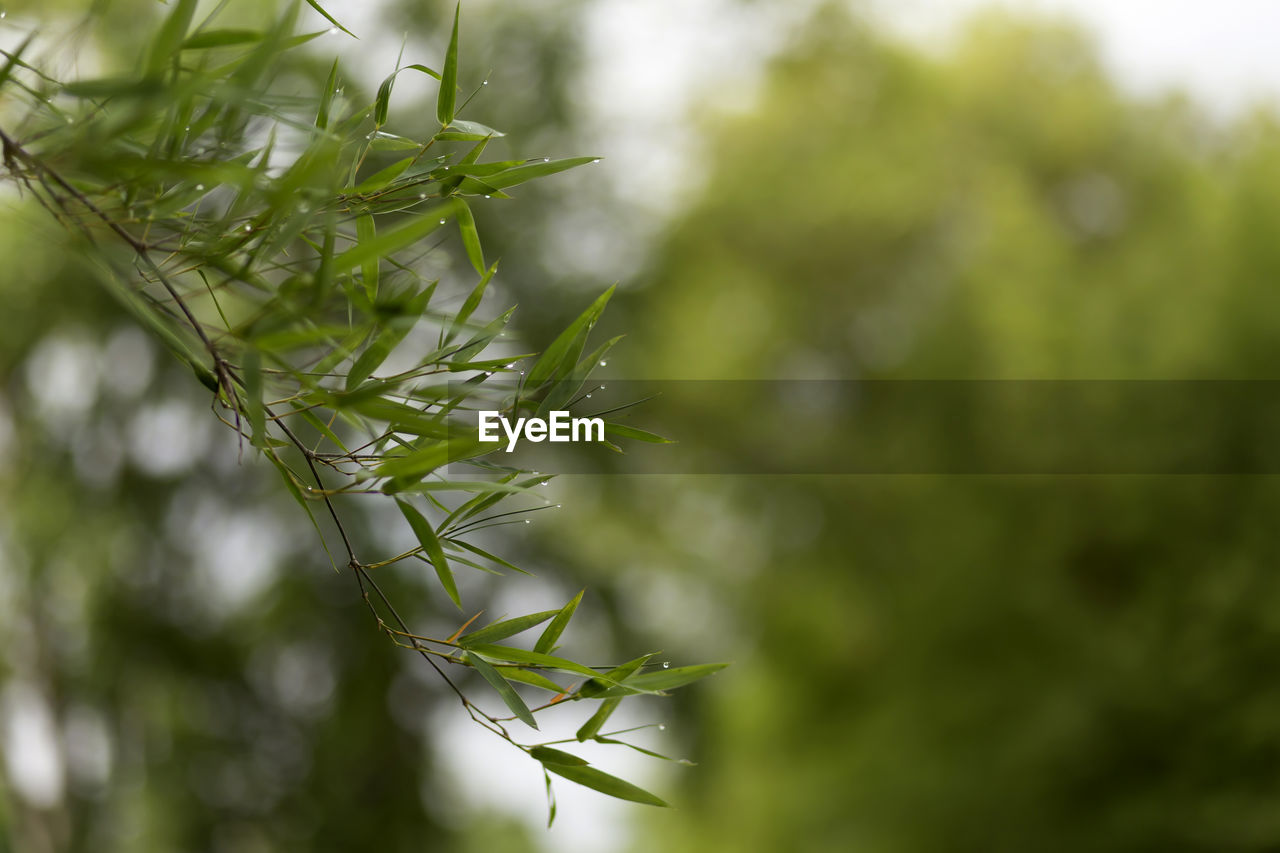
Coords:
1225,52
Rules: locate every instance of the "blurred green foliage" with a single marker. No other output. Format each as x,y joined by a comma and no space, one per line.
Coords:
976,663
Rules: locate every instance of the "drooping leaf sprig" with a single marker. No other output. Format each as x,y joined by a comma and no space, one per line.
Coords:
284,248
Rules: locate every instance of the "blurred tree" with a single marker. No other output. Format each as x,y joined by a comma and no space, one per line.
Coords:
991,663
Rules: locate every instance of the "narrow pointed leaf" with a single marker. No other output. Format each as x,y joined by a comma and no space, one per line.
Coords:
506,628
431,546
510,654
449,75
314,5
592,726
550,755
604,783
472,302
665,679
253,397
553,631
551,361
596,687
505,690
470,237
389,242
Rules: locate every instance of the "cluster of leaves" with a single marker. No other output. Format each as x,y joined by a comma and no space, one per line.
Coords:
282,246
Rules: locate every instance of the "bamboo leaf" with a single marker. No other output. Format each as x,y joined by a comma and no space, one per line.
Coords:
563,347
470,237
505,690
592,726
510,654
550,755
606,784
431,546
449,75
546,643
314,5
506,628
664,679
389,242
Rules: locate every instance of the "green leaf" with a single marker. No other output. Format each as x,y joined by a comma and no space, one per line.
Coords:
547,642
551,364
367,232
529,676
475,549
449,75
253,397
389,338
665,679
389,242
505,690
592,726
470,237
474,130
606,784
382,141
423,460
314,5
510,654
596,687
549,755
473,302
431,546
380,179
506,628
170,36
326,97
644,751
538,169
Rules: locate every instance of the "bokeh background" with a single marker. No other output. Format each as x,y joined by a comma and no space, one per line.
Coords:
941,190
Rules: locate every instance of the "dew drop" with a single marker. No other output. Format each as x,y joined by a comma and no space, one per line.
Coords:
546,159
488,373
544,482
597,160
662,728
526,521
199,186
488,196
333,31
666,664
484,83
4,14
421,196
441,221
604,364
248,228
588,396
557,506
